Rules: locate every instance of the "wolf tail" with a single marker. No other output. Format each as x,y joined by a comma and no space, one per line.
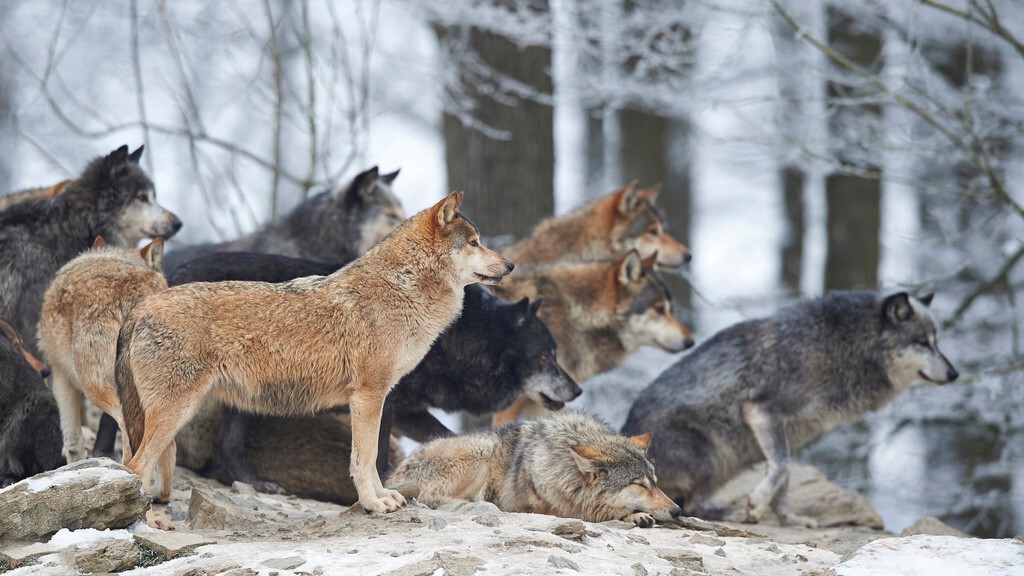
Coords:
127,393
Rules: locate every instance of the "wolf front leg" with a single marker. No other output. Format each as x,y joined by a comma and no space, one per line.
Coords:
365,407
770,493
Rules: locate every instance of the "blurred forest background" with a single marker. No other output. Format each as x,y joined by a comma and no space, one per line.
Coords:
803,145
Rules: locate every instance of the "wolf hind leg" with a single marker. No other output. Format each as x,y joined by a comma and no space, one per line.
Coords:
165,480
69,404
770,433
787,516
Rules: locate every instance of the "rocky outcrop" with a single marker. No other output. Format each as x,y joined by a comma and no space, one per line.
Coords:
94,493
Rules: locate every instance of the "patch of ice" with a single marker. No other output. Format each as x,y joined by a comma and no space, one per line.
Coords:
102,475
929,555
78,538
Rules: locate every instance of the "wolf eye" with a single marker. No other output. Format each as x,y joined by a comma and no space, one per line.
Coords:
144,199
660,308
924,343
639,483
474,243
653,231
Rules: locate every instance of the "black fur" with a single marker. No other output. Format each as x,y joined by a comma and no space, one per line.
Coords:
479,365
30,438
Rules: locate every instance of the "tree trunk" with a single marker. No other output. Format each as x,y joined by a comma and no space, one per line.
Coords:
509,181
793,180
853,201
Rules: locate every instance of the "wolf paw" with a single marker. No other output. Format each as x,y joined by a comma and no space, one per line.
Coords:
382,505
159,520
391,495
74,450
788,518
266,487
641,519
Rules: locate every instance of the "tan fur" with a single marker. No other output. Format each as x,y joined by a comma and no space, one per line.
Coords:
586,306
602,230
303,346
81,315
565,464
32,194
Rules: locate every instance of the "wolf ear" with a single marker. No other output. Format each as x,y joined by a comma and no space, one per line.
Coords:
444,211
116,159
627,198
10,332
153,254
99,242
536,305
650,193
389,178
650,261
897,308
641,441
134,157
927,299
630,268
586,458
362,184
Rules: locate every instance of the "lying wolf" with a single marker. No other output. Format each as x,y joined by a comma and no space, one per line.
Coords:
567,464
302,346
332,226
29,432
503,350
112,198
760,388
82,313
627,219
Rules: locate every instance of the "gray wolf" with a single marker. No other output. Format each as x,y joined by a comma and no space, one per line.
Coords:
29,436
503,348
81,316
302,346
599,313
32,194
113,198
627,219
332,226
567,464
761,388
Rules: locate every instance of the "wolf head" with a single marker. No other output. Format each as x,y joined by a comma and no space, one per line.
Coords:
9,353
530,352
373,208
640,225
454,236
116,188
152,254
645,305
910,337
628,485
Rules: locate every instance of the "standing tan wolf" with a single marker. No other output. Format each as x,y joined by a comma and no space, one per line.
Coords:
627,219
567,464
81,316
599,313
302,346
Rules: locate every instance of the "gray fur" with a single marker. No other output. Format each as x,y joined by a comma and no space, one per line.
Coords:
332,226
761,388
112,198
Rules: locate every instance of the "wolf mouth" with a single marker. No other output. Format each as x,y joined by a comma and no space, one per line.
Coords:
551,404
927,379
489,279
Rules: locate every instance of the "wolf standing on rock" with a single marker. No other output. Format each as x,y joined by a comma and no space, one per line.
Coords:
112,198
759,388
301,346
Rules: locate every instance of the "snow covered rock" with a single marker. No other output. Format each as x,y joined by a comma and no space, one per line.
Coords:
930,555
94,493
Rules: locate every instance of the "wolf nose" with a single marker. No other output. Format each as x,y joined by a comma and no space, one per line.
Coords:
676,512
175,225
576,390
688,343
45,372
509,266
952,374
687,257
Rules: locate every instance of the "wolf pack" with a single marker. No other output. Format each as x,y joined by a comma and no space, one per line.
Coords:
347,308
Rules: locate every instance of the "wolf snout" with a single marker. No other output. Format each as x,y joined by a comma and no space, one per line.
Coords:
676,512
952,374
174,226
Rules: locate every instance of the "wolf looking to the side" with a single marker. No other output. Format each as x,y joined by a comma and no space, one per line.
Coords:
760,388
332,226
566,464
82,313
302,346
113,198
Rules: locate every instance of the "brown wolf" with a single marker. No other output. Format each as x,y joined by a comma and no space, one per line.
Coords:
566,464
599,313
606,228
302,346
32,194
82,313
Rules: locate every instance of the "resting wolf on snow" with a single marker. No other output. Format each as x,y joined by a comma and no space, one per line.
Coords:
567,464
759,388
302,346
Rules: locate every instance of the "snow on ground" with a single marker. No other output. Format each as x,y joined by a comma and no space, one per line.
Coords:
101,475
933,555
64,537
